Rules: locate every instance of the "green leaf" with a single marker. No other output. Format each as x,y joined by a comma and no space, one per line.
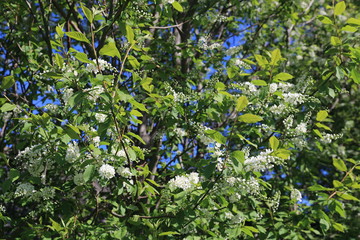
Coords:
355,75
250,118
262,61
130,34
339,8
110,49
275,57
136,136
168,233
353,21
133,62
274,143
321,115
324,225
319,125
55,226
339,164
349,28
218,137
177,6
77,36
59,60
325,19
53,75
231,72
347,196
59,30
338,227
282,153
8,107
335,41
83,57
337,183
14,174
259,82
241,103
138,105
7,82
247,231
318,187
88,13
317,132
283,76
89,170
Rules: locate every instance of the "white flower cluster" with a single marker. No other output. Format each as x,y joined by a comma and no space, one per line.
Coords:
52,107
107,171
261,162
180,132
101,66
203,44
328,138
72,152
24,189
250,186
100,117
95,92
33,158
295,195
124,172
67,93
185,182
301,128
275,201
294,98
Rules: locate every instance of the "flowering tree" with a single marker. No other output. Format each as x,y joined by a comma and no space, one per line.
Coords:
179,119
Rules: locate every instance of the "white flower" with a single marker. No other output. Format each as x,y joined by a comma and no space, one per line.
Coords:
102,65
180,132
72,152
301,128
124,172
295,195
68,92
262,162
24,189
273,87
107,171
100,117
185,182
294,98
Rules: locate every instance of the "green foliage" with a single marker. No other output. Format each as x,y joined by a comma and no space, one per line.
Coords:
179,119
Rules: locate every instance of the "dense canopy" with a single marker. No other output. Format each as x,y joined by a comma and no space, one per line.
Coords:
188,119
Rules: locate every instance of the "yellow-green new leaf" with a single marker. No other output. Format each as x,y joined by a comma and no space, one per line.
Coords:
77,36
335,41
339,8
110,49
88,13
262,61
250,118
339,164
275,57
283,77
241,103
130,34
321,115
274,143
353,21
177,6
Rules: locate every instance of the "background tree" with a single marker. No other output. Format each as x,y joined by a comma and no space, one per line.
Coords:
179,119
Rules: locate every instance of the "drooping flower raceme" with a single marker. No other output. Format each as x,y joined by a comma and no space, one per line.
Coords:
185,182
72,152
107,171
296,195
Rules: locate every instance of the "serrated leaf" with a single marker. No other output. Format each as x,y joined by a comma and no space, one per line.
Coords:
110,49
259,82
218,137
133,62
339,164
250,118
320,125
348,28
7,82
89,170
241,103
130,34
262,61
321,115
88,13
335,41
325,19
339,8
177,6
353,21
283,76
275,57
347,196
274,143
83,57
7,107
317,132
137,137
77,36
